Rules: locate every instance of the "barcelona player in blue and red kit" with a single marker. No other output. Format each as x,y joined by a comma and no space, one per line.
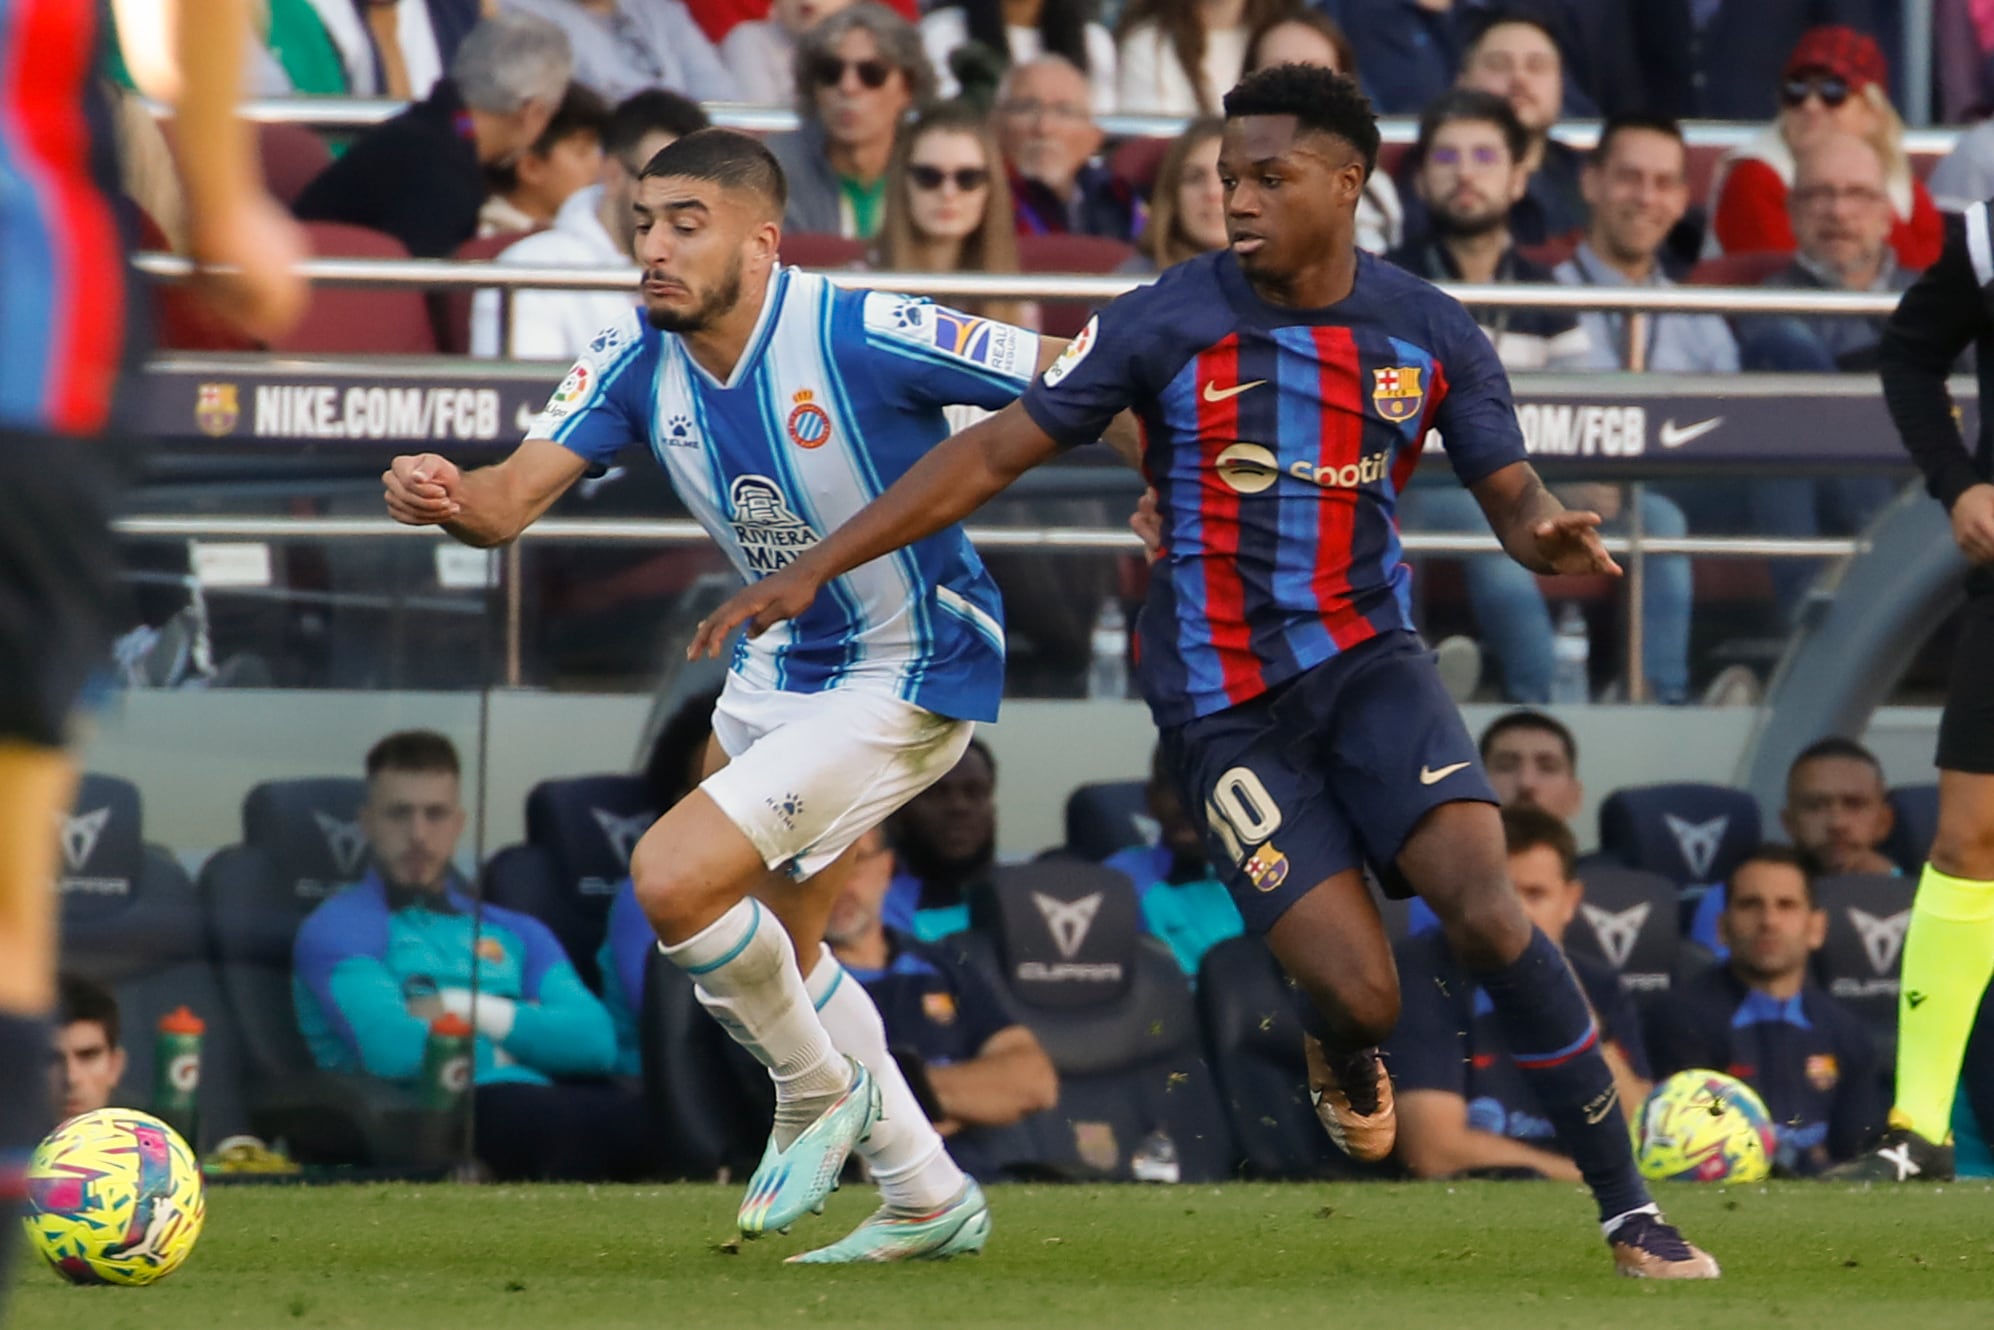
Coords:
63,348
1285,387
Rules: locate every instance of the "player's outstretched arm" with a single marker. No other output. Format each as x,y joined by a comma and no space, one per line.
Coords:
1538,531
486,507
953,480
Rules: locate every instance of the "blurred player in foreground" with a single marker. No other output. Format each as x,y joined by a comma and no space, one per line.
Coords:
780,405
1949,947
1285,386
64,345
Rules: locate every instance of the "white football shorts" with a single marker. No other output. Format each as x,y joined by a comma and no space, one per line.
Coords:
809,773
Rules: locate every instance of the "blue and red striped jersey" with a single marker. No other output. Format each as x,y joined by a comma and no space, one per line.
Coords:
1278,441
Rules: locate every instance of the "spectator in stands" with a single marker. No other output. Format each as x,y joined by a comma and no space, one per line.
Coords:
1050,142
1533,762
1469,171
1187,209
761,52
291,52
1010,33
1181,898
858,73
1179,57
375,964
1462,1104
948,208
673,770
1834,85
946,840
89,1057
1838,808
420,177
623,47
1720,59
970,1062
592,229
1410,50
528,191
1759,1016
1516,57
1310,37
1636,189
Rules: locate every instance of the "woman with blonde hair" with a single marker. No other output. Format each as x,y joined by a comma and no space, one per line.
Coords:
1834,83
948,206
1187,207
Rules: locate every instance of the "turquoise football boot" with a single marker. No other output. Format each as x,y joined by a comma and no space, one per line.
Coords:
789,1184
959,1228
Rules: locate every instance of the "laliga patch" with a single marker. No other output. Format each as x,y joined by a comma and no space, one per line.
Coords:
574,390
1075,352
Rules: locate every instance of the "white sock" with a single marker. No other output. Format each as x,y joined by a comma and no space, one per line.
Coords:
1612,1226
745,974
905,1153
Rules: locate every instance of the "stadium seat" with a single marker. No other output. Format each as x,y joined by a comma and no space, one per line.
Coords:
712,1104
1106,816
1701,170
1691,833
392,321
1136,161
301,843
292,157
185,323
579,835
1069,254
1115,1015
1253,1032
1864,952
1627,919
452,308
131,921
1554,250
1748,269
811,249
1917,810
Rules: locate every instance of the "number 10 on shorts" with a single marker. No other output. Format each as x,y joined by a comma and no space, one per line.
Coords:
1242,813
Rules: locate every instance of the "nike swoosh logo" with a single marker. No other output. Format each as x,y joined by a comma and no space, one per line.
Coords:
1599,1116
1214,393
1675,436
1428,776
1916,1000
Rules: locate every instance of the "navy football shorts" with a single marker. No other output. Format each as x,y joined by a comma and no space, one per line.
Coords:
1328,772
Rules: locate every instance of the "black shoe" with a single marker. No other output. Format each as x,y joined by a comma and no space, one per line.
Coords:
1646,1246
1899,1155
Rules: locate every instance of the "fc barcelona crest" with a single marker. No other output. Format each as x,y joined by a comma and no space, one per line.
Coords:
216,408
1396,392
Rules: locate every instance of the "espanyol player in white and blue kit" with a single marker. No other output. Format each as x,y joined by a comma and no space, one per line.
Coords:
780,406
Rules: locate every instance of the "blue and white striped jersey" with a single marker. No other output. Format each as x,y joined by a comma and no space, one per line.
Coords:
840,391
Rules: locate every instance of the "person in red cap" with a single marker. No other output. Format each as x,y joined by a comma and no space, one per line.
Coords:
1834,83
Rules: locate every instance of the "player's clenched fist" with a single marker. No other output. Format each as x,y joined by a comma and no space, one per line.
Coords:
422,490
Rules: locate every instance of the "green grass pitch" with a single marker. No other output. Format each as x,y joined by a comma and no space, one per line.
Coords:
1473,1256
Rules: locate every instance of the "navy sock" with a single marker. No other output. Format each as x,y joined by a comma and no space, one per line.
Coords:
24,1118
1555,1043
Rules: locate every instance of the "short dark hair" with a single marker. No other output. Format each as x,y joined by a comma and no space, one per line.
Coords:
1525,829
1320,100
1836,745
652,111
1474,106
1527,719
78,998
726,157
976,745
413,750
580,111
1628,122
1785,856
1529,18
669,771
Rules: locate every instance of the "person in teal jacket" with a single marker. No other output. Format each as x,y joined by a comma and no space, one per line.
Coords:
1183,902
374,965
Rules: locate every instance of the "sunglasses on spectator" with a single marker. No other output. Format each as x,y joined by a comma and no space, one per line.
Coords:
968,179
1832,89
829,71
1484,157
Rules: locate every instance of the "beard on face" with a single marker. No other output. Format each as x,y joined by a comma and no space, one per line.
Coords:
718,301
1467,226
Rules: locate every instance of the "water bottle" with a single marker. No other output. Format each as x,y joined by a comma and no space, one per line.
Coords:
176,1085
1155,1159
1108,670
446,1063
1571,653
